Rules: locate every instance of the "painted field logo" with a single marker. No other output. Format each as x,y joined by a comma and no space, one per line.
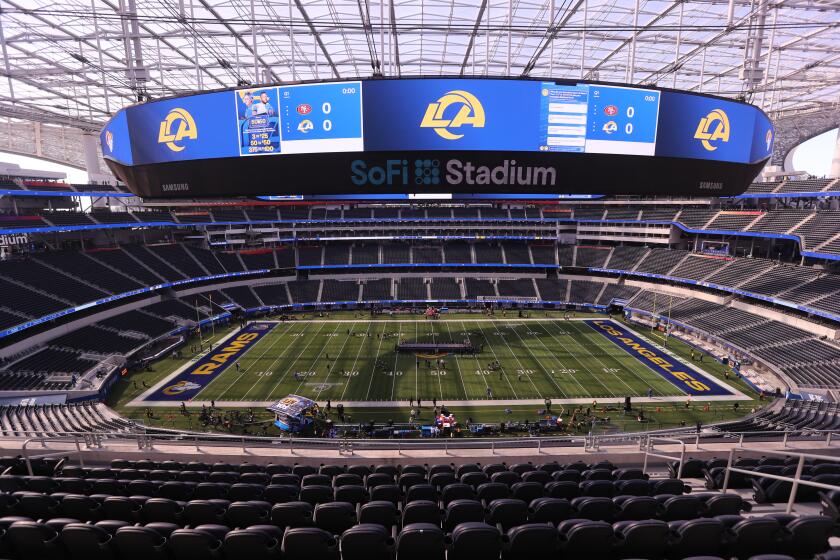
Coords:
180,387
469,112
177,126
711,128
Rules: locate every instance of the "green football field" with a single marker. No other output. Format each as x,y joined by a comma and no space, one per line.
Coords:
354,359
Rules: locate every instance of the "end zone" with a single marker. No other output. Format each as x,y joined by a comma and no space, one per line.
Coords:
189,380
686,377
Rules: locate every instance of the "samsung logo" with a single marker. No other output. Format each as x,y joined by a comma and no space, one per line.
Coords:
710,185
173,187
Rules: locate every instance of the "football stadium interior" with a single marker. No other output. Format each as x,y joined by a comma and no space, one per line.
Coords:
419,279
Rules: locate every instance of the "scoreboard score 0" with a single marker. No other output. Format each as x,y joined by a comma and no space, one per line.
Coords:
321,117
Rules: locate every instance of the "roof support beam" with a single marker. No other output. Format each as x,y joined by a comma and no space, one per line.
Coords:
473,34
317,38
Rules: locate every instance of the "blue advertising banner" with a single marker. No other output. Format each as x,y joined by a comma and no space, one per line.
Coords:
686,379
192,380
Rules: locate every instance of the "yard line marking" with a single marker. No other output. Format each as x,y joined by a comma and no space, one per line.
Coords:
394,370
356,359
521,367
257,382
475,357
314,365
582,365
539,363
293,362
457,364
553,355
340,350
440,383
504,374
597,359
248,367
373,371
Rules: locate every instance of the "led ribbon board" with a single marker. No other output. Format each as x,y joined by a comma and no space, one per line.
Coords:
370,137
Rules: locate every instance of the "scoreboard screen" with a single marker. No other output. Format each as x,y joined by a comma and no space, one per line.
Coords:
321,118
476,135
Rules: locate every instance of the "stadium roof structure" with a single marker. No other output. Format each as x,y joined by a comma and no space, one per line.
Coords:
75,62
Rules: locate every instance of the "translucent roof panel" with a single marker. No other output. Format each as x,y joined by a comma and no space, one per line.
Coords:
78,61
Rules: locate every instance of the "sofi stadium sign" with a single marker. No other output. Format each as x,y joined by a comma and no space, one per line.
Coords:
421,173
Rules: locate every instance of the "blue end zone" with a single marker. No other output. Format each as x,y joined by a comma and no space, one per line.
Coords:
192,380
686,379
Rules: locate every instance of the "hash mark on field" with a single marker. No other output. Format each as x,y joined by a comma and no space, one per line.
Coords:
597,359
503,372
521,367
477,363
396,355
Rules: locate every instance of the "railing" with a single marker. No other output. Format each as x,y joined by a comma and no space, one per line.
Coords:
795,480
537,445
28,458
650,451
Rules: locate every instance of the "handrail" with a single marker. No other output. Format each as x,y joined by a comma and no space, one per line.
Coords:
28,458
649,453
795,481
591,443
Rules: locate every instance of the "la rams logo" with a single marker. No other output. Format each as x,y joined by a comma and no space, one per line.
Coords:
177,126
768,139
469,112
711,128
109,140
181,387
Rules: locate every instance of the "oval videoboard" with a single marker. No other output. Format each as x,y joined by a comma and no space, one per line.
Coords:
438,135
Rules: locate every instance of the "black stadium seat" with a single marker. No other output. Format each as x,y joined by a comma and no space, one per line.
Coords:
367,541
421,541
475,540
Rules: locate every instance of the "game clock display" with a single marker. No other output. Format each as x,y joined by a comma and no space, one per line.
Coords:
321,117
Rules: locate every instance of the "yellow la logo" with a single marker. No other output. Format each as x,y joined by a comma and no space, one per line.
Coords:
469,112
713,127
177,125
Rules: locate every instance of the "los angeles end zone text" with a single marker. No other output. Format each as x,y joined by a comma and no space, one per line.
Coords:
356,361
